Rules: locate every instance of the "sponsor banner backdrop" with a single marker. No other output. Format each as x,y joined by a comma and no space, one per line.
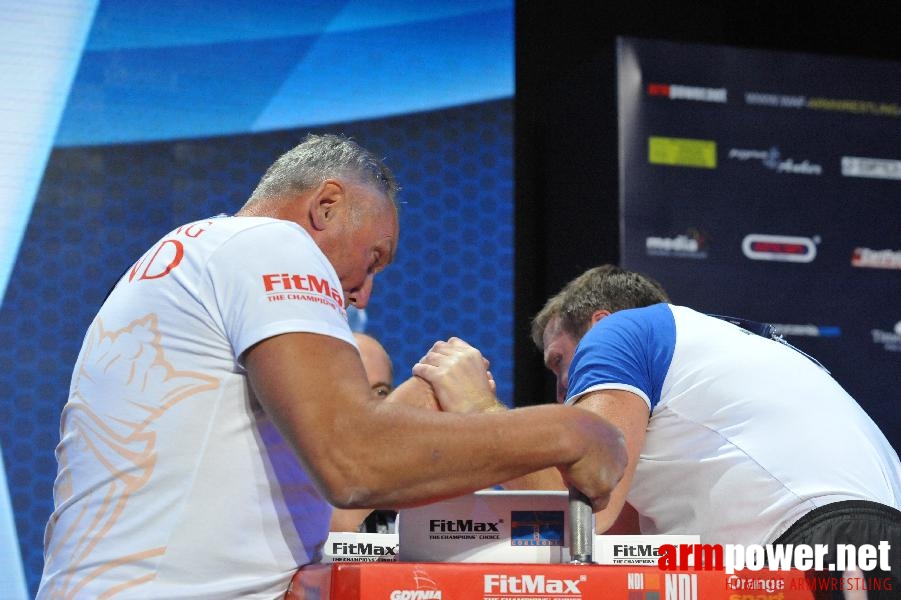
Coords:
767,185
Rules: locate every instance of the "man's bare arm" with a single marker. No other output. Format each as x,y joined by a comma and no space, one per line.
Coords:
415,391
629,413
315,390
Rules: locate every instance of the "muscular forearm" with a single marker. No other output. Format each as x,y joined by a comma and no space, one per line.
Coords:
420,456
363,453
625,523
545,479
414,392
418,393
348,520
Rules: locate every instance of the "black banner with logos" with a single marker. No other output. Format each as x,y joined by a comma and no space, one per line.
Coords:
767,185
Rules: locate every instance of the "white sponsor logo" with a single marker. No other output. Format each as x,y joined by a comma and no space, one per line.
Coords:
680,586
415,595
780,100
772,159
804,167
532,584
635,581
781,248
702,94
873,168
890,340
682,243
796,330
688,92
744,154
683,246
876,259
764,584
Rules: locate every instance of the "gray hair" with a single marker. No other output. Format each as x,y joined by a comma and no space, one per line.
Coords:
321,157
607,287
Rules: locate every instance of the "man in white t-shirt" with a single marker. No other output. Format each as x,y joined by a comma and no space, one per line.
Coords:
231,331
732,434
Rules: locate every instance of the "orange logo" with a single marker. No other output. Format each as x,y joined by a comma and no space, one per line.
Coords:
122,386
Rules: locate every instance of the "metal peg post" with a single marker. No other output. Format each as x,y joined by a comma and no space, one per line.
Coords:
581,528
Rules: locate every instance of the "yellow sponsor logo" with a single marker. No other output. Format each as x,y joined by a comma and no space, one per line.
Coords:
863,107
682,152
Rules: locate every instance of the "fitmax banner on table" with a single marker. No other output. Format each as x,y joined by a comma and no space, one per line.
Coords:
767,185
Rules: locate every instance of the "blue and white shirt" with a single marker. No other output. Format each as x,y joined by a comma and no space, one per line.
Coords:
745,436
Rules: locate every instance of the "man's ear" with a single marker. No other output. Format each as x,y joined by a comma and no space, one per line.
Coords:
598,315
326,199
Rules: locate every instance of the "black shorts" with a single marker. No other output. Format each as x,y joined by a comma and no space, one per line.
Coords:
855,522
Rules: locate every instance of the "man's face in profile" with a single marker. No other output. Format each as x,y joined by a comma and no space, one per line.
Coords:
559,347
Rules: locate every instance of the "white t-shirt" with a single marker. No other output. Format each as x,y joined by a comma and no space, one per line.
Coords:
172,481
746,434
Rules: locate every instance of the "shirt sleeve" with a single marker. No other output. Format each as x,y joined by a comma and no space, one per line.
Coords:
273,279
628,350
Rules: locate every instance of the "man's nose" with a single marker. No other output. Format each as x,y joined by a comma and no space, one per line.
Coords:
359,297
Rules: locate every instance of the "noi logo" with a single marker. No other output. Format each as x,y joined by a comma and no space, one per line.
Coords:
681,586
643,586
780,248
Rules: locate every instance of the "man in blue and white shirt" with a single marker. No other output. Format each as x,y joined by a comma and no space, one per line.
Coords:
734,436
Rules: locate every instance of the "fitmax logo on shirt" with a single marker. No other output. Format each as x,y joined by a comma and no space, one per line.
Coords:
284,283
